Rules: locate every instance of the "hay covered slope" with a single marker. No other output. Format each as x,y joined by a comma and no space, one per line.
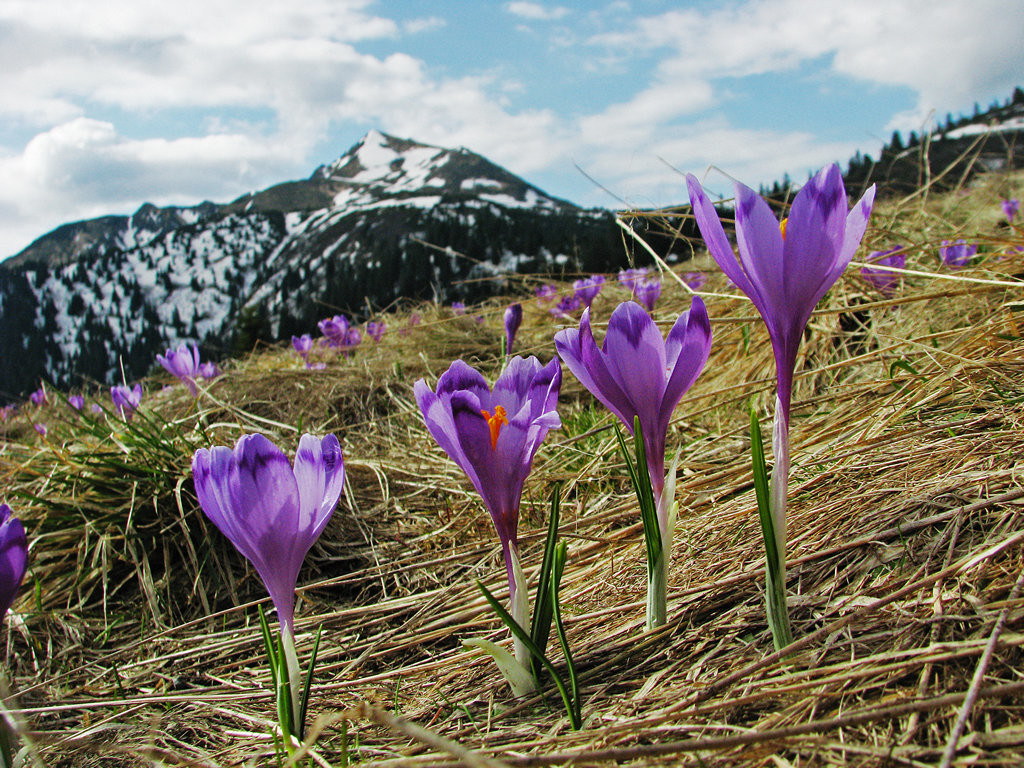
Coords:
136,640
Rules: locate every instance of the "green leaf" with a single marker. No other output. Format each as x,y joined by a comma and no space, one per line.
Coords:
574,684
301,724
526,640
540,628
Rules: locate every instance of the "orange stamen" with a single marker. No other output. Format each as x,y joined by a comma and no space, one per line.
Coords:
495,422
782,227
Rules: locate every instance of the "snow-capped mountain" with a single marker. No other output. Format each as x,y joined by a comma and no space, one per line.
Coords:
390,219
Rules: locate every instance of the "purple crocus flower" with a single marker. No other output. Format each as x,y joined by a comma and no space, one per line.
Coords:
513,319
957,253
209,370
38,397
1011,208
183,364
6,412
640,376
694,280
785,270
96,408
13,557
638,373
40,428
545,293
272,512
647,293
458,308
302,344
493,437
587,288
76,401
628,278
126,401
882,279
375,330
566,307
334,330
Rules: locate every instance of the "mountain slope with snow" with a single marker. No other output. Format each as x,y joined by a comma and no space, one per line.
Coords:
391,219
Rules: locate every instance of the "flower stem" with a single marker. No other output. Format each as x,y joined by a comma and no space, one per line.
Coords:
657,586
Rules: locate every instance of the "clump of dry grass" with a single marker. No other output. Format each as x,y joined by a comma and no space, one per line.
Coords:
906,552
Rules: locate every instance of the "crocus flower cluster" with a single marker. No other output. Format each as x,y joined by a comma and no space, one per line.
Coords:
882,279
647,292
273,513
566,307
641,377
458,308
545,293
13,557
38,398
126,401
183,364
587,288
375,330
785,270
76,401
339,333
957,253
493,437
6,412
629,278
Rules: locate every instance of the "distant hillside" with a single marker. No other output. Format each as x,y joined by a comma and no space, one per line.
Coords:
390,220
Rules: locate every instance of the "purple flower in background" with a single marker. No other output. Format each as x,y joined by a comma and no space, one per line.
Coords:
957,253
1010,208
588,288
96,408
513,319
126,401
6,412
183,364
13,557
334,330
545,293
271,512
353,338
209,370
882,279
566,307
38,397
375,330
415,319
493,437
40,428
302,345
647,293
458,308
77,402
629,278
695,280
785,269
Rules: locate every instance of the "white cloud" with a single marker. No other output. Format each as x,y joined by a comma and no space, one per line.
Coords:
536,11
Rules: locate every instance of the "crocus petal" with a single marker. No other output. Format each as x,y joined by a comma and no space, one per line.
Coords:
687,348
320,475
13,557
715,238
578,350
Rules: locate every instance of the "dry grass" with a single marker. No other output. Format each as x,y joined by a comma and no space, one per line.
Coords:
135,641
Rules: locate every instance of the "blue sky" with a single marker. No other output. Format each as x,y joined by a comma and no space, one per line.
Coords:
106,104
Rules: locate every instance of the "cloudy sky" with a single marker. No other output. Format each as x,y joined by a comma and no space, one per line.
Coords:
105,104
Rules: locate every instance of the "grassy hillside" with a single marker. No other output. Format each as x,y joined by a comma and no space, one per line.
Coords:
135,640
